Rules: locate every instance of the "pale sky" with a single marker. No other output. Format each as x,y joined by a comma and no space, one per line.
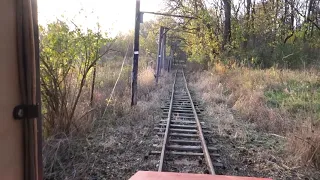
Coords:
114,16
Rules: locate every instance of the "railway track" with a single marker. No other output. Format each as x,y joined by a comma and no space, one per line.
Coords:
183,147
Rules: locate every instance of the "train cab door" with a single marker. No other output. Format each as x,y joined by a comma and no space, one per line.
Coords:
20,121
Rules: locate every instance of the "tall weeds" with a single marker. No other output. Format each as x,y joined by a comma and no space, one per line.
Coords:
74,156
67,56
284,102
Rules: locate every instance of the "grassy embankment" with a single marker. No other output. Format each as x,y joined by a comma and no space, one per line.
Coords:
74,155
279,102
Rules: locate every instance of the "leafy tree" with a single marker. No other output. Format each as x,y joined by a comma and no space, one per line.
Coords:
67,56
266,33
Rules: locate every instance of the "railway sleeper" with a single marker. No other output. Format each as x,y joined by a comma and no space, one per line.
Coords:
187,106
181,98
181,108
181,130
184,107
170,91
175,109
181,101
182,121
179,117
186,148
180,111
181,135
177,99
172,130
184,142
183,153
181,114
186,113
184,102
173,112
175,116
182,118
181,126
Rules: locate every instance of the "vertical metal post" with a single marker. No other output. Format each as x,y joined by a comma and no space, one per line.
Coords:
171,58
159,54
134,75
164,58
162,43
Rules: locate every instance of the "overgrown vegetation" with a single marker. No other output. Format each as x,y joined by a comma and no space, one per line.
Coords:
264,56
283,102
79,72
116,143
85,83
281,33
67,59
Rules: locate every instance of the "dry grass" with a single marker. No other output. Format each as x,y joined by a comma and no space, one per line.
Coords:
304,143
75,156
283,102
211,92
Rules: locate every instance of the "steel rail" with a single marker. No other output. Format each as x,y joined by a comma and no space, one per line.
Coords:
203,142
168,126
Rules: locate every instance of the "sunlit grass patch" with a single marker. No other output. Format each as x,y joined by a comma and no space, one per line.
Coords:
295,96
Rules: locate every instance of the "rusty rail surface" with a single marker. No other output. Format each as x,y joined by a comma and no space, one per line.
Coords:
203,142
182,131
168,126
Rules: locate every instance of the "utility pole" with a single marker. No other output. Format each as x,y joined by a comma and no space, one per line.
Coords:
134,75
161,51
159,54
171,59
165,62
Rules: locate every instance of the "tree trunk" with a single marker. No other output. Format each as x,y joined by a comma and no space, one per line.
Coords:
292,15
307,18
253,13
247,30
92,84
227,23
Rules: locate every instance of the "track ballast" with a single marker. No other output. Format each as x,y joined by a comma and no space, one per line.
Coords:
183,147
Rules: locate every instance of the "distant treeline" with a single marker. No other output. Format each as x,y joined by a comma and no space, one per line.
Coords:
266,33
